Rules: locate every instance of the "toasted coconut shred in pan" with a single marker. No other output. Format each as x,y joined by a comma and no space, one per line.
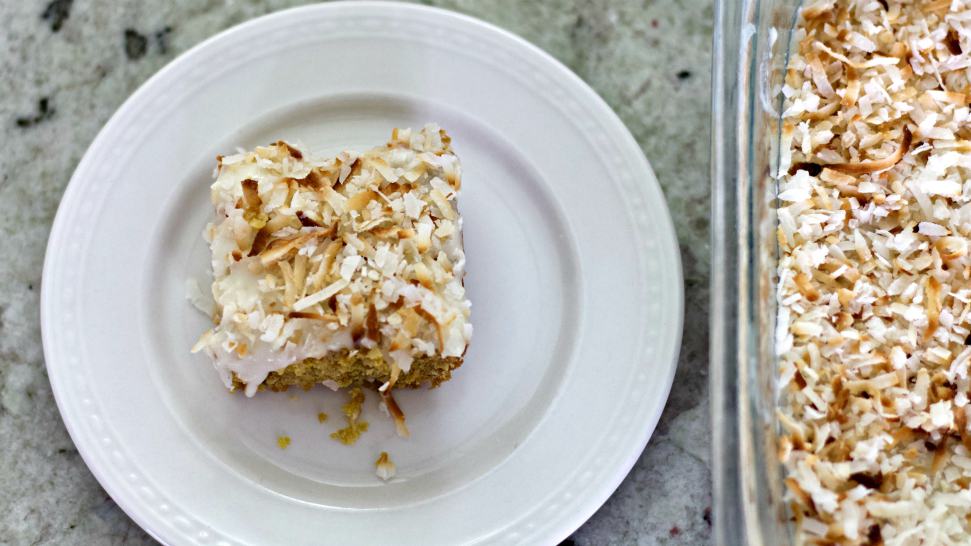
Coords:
874,278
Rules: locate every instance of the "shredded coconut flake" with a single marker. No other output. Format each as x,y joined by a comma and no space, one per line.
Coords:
384,468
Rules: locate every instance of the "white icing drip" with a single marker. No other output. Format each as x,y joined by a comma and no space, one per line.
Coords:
262,359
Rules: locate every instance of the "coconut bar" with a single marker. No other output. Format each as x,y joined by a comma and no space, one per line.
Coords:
344,271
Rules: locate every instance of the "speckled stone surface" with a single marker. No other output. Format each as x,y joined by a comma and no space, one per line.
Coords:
67,65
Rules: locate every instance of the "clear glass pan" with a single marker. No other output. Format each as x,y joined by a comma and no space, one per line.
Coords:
751,47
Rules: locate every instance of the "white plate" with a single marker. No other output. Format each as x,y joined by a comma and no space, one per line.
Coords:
573,272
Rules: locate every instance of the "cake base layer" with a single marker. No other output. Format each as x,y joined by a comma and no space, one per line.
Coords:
357,369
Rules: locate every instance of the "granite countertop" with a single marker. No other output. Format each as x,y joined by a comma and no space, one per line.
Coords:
67,66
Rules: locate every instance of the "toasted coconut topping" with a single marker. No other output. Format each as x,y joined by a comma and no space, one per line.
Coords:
864,167
383,467
318,254
305,220
395,411
874,276
295,153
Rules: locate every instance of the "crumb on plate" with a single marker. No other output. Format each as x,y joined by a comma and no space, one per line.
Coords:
352,412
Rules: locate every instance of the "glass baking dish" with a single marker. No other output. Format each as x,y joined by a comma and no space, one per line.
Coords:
751,49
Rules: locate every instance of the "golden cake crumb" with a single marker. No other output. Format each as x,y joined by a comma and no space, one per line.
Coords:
350,434
352,411
321,417
283,441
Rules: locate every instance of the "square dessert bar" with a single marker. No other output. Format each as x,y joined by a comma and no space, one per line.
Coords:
342,271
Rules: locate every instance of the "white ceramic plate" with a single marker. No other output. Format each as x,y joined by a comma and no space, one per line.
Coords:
573,272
